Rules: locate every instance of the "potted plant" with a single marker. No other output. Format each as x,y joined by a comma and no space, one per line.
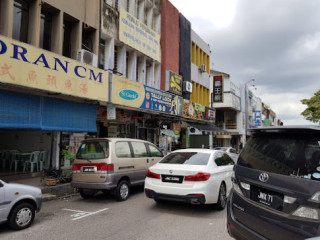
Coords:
68,157
66,176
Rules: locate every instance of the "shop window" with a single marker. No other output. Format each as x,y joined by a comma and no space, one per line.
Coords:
139,149
67,28
45,30
20,21
102,46
87,42
123,150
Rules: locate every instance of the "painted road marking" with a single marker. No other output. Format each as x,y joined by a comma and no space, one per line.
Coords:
81,214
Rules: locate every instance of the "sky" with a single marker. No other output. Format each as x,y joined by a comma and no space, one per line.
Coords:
277,43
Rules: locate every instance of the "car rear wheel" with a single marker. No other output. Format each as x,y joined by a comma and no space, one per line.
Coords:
87,193
21,216
122,191
222,199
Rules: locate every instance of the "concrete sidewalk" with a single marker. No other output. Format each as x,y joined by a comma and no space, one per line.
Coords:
49,192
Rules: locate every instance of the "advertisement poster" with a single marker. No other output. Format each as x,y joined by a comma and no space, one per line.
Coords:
133,94
197,111
217,89
138,35
173,83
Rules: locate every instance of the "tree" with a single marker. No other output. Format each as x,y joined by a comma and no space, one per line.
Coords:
312,112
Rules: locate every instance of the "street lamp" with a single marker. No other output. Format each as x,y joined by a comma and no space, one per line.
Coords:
246,106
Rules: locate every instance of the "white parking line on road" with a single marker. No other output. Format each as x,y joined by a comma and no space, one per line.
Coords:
81,214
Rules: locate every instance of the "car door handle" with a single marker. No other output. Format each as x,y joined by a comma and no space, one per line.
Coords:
147,160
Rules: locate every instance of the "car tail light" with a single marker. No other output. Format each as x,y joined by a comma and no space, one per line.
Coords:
307,212
153,175
105,168
199,177
75,168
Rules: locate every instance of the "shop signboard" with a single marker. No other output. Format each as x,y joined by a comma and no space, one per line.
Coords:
133,94
197,111
25,65
217,89
138,35
173,83
257,118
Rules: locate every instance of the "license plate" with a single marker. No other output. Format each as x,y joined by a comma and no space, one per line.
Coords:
172,179
87,169
267,197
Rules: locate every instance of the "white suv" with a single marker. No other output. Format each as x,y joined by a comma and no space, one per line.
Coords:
18,204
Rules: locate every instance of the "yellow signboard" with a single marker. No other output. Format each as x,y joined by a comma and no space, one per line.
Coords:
25,65
139,36
126,92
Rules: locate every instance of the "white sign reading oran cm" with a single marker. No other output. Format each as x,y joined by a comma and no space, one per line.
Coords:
25,65
139,36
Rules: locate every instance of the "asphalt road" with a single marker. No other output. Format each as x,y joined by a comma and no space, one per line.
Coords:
138,218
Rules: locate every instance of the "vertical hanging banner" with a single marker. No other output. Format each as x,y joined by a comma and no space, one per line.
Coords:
217,89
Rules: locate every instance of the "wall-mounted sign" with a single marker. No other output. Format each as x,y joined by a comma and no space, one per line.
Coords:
138,35
257,118
217,89
197,111
133,94
173,83
25,65
111,112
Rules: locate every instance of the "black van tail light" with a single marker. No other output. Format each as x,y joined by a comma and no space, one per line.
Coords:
199,177
307,212
153,175
316,197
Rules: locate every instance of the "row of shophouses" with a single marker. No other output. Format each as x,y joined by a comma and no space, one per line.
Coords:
113,68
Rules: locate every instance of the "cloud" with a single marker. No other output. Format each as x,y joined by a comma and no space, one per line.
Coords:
275,42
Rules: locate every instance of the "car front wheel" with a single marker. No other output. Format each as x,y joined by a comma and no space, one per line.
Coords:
22,216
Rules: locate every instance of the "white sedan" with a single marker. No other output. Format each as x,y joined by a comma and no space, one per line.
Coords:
196,176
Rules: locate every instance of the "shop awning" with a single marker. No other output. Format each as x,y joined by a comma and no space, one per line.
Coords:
208,128
26,111
19,110
60,115
168,132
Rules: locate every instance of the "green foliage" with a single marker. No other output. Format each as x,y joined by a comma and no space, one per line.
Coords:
312,112
67,154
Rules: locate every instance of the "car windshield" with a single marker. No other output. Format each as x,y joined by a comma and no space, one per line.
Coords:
187,158
292,154
93,150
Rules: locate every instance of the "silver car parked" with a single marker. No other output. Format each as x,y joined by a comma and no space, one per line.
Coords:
18,204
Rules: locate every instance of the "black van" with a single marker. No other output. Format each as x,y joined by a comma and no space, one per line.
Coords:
276,185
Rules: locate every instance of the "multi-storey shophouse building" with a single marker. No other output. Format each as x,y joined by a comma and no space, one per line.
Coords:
48,99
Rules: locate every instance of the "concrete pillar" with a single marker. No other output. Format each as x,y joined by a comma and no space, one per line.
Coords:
34,23
132,66
109,54
6,18
57,33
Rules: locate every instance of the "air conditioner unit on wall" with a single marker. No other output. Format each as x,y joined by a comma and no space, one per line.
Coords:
203,68
187,87
87,57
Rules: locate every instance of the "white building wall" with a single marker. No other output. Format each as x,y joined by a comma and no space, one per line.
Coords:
146,11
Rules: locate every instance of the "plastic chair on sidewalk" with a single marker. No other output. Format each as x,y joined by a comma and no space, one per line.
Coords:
33,160
14,160
43,159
